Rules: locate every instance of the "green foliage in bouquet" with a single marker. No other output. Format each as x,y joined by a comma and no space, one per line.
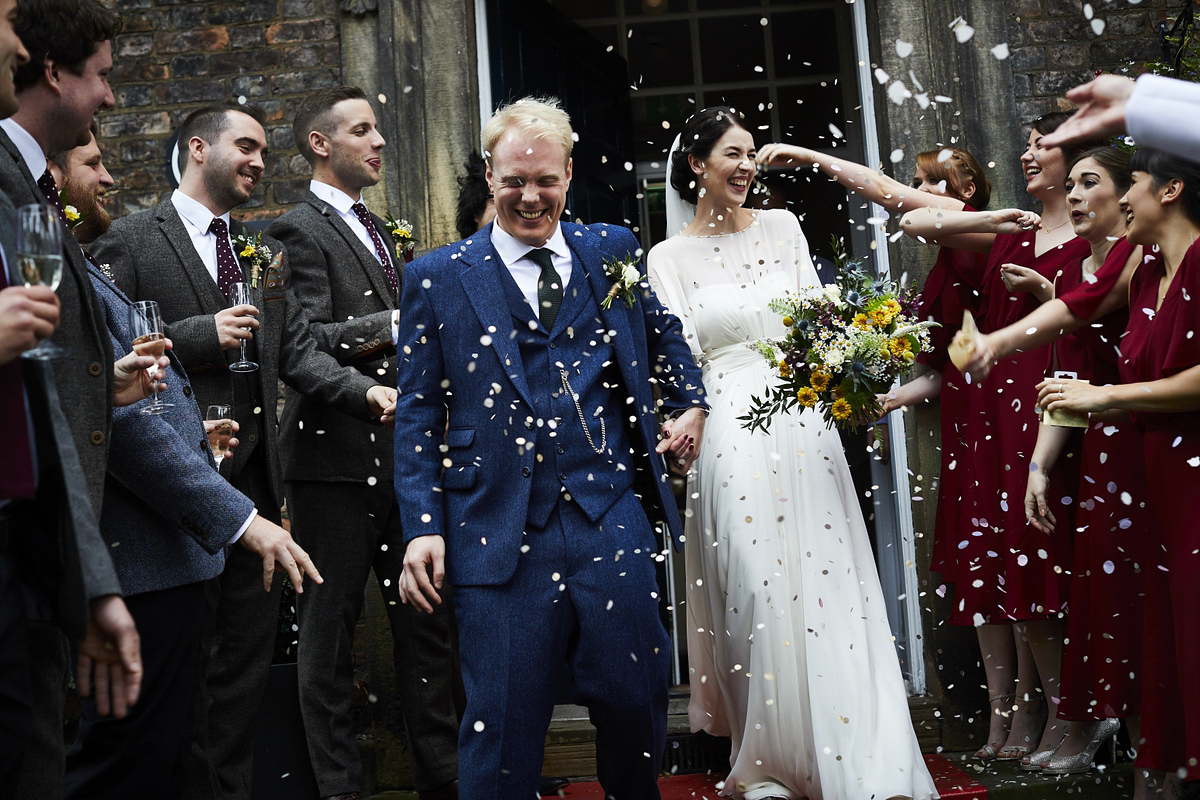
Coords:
845,343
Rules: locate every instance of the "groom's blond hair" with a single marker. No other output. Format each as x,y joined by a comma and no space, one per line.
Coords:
541,117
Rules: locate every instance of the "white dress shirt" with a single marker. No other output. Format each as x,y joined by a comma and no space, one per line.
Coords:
27,146
525,271
341,203
196,220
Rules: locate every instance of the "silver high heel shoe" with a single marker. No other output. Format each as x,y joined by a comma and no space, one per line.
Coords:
1082,762
1037,761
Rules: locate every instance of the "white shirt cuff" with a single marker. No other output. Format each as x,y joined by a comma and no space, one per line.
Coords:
245,525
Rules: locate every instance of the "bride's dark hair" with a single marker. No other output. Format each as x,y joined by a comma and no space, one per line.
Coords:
700,134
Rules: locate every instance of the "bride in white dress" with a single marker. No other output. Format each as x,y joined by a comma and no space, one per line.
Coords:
788,638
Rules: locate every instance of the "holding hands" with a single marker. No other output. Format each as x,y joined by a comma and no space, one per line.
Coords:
681,437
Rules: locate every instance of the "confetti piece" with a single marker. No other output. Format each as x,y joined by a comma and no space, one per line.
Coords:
1000,51
903,49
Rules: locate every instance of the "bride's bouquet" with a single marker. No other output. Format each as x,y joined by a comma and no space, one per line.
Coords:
845,343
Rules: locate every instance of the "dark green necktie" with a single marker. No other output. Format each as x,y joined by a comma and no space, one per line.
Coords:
550,290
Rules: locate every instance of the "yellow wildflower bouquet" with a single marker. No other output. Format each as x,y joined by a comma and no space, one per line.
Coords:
845,343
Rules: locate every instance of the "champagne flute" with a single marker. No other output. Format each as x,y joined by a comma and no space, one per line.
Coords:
39,261
219,435
145,325
240,294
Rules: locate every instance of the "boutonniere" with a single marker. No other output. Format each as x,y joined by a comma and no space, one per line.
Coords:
257,254
73,215
625,276
401,231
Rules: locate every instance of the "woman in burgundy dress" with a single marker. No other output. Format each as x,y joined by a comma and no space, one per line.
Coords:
1160,370
1003,569
1101,658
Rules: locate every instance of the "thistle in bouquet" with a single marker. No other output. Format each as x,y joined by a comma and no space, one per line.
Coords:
845,343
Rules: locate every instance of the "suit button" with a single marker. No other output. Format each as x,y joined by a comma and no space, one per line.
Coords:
553,345
560,450
187,391
529,424
525,471
562,476
97,437
254,437
94,368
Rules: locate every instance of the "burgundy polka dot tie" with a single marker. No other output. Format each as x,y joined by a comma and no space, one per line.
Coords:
46,184
228,271
381,252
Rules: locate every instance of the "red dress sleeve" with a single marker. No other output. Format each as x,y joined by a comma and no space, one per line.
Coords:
1086,298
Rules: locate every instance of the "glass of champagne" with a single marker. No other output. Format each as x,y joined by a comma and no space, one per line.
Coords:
39,261
145,325
220,433
240,294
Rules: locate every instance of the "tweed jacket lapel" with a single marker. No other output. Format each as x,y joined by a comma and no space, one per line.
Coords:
181,242
481,282
370,265
616,316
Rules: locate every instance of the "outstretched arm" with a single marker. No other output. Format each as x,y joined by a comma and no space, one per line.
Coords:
950,228
862,180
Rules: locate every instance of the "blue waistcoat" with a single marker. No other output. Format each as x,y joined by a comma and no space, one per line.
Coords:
580,347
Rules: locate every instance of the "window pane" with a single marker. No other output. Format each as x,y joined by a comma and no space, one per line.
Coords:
805,113
650,139
584,9
805,43
660,54
753,103
634,8
731,48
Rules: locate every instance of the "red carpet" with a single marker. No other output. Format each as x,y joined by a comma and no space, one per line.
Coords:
952,784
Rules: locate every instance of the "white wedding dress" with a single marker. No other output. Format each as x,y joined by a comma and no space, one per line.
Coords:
789,646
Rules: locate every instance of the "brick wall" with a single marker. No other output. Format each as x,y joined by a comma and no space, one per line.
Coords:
1053,46
175,56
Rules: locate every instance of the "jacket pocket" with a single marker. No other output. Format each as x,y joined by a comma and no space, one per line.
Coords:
460,437
459,477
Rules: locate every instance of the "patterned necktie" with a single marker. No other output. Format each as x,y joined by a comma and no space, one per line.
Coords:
46,184
16,479
228,271
381,252
550,290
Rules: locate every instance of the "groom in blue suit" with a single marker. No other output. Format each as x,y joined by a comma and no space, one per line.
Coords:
530,469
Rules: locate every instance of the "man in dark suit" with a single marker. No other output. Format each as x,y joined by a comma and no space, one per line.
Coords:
346,273
526,444
48,520
185,253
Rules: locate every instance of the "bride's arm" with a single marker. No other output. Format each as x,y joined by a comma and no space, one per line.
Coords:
669,290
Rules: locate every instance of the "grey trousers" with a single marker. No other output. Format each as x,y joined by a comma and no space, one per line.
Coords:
350,530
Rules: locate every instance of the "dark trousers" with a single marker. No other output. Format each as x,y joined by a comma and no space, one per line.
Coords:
350,530
585,593
50,656
16,715
239,641
143,755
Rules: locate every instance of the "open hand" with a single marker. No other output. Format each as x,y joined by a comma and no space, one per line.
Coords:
1101,113
110,657
276,546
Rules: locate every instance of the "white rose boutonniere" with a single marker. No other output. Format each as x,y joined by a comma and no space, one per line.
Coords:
625,276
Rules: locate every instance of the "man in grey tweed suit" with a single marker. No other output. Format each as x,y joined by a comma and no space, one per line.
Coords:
339,470
174,254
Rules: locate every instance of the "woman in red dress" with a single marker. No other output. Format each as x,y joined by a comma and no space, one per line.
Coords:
1160,370
1101,658
1003,569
